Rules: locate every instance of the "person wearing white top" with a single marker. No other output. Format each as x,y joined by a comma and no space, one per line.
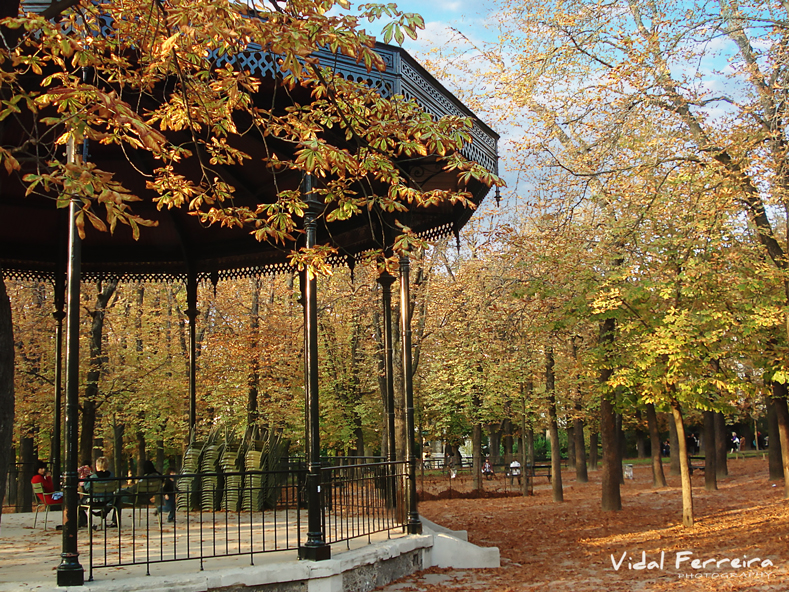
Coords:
515,471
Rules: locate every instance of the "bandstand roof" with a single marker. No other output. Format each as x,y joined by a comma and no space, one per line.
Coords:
32,229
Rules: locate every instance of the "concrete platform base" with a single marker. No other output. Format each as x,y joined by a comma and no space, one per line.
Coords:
451,549
359,569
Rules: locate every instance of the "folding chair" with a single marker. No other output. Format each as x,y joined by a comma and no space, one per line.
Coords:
38,489
145,490
100,501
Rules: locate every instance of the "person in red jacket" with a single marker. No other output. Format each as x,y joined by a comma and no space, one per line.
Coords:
50,496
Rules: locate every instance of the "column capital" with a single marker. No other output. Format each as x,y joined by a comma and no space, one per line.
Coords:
315,206
386,279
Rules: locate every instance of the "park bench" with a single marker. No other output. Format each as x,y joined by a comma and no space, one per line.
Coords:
692,467
541,469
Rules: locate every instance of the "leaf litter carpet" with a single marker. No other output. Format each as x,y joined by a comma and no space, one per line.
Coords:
741,537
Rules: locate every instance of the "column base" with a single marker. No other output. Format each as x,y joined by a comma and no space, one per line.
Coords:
414,527
71,575
316,553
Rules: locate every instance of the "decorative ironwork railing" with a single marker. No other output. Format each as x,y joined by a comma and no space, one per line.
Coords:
229,514
403,76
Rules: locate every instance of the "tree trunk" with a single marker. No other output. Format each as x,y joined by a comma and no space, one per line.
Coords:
526,487
612,464
594,445
506,428
141,452
97,361
710,452
253,378
658,477
578,444
641,444
494,437
117,450
581,476
6,387
556,455
358,433
13,481
476,447
380,357
687,492
673,442
620,438
774,451
87,427
570,446
27,458
399,389
782,417
722,440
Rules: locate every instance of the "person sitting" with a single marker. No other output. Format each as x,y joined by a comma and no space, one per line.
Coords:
49,496
149,469
105,501
487,469
84,471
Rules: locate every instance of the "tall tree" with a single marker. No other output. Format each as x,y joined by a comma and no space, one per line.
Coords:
97,361
658,477
556,454
6,387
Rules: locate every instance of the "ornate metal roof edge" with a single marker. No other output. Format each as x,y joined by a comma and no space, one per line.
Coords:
409,59
432,234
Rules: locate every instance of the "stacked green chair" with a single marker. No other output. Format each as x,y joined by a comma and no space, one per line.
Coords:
188,497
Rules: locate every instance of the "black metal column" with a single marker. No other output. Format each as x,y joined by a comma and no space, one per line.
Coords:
59,315
315,548
386,280
413,525
191,314
70,572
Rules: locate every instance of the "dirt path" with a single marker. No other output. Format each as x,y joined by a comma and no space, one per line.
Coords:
572,546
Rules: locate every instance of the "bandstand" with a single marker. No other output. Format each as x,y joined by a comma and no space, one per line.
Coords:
38,241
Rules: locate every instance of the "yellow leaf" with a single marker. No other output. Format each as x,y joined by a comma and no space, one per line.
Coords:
168,44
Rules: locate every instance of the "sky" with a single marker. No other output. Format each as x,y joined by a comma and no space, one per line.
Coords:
475,19
441,17
466,16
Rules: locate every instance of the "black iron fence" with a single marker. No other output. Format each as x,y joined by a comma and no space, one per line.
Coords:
157,519
362,499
